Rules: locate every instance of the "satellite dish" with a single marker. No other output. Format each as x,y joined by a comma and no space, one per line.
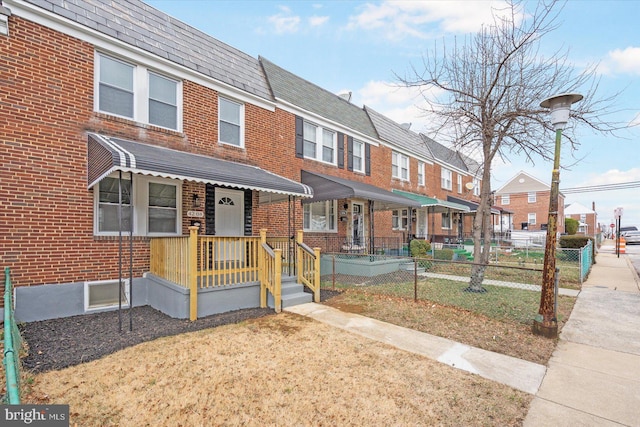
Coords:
469,186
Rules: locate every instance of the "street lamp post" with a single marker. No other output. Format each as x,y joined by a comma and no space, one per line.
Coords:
546,323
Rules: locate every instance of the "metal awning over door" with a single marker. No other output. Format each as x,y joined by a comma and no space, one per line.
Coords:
108,154
434,205
326,187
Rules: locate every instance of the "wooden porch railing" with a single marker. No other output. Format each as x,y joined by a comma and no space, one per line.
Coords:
270,267
308,266
208,261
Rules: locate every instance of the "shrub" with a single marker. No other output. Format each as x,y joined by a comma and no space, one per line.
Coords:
577,242
571,226
443,254
419,248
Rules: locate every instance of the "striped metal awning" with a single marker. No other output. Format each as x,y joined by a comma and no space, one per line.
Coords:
107,154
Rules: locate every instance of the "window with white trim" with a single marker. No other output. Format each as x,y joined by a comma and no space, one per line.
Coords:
459,184
531,197
506,199
319,216
476,187
400,166
446,220
133,91
421,178
445,178
105,294
231,122
532,219
358,156
154,203
319,143
399,219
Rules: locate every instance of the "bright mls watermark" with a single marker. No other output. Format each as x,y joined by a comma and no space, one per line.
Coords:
35,415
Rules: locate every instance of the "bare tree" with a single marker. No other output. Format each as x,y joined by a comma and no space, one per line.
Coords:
490,88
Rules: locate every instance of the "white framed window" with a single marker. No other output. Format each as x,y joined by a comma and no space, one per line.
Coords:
163,101
153,202
459,184
583,217
476,187
505,199
231,122
531,197
446,220
421,178
134,92
531,219
103,294
358,156
319,143
400,219
400,166
445,178
320,216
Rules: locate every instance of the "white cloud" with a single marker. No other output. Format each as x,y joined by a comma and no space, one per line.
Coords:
316,21
285,21
421,19
625,61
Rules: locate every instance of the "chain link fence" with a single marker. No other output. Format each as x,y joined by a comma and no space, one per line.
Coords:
510,289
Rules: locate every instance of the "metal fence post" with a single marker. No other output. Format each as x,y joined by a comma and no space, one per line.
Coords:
415,280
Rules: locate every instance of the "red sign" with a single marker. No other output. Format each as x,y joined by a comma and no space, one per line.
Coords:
612,225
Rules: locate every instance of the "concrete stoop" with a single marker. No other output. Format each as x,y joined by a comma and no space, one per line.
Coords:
292,293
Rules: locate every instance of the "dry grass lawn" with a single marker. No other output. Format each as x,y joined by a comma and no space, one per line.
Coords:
281,370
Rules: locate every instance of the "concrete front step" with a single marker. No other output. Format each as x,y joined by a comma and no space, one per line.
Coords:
292,293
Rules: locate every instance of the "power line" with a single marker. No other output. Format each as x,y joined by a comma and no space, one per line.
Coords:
603,187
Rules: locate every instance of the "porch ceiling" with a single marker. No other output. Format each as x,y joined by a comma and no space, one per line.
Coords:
108,154
326,187
435,205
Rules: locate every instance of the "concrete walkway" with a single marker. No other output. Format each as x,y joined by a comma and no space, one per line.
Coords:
593,377
516,373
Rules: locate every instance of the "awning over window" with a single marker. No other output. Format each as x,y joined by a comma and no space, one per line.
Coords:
326,187
434,205
473,206
108,154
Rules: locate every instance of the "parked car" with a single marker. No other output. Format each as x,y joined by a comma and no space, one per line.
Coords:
632,237
625,230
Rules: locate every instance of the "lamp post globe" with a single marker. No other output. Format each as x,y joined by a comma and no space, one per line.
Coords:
546,322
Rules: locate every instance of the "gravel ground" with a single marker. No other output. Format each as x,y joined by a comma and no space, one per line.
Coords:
59,343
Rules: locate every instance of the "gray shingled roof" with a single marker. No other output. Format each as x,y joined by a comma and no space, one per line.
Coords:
295,90
397,135
444,154
140,25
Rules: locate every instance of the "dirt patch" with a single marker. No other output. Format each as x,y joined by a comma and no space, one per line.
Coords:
60,343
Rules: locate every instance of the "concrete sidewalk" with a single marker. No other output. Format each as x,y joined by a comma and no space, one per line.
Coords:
593,377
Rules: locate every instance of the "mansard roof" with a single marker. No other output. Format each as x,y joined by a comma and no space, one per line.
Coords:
445,155
140,25
296,91
399,136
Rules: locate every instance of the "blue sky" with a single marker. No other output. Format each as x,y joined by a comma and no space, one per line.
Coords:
360,47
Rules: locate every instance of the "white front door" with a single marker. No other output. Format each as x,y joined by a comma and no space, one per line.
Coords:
229,218
357,224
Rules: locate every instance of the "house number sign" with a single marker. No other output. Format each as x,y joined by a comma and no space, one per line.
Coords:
195,214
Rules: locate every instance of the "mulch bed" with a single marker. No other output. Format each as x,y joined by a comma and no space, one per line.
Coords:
59,343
